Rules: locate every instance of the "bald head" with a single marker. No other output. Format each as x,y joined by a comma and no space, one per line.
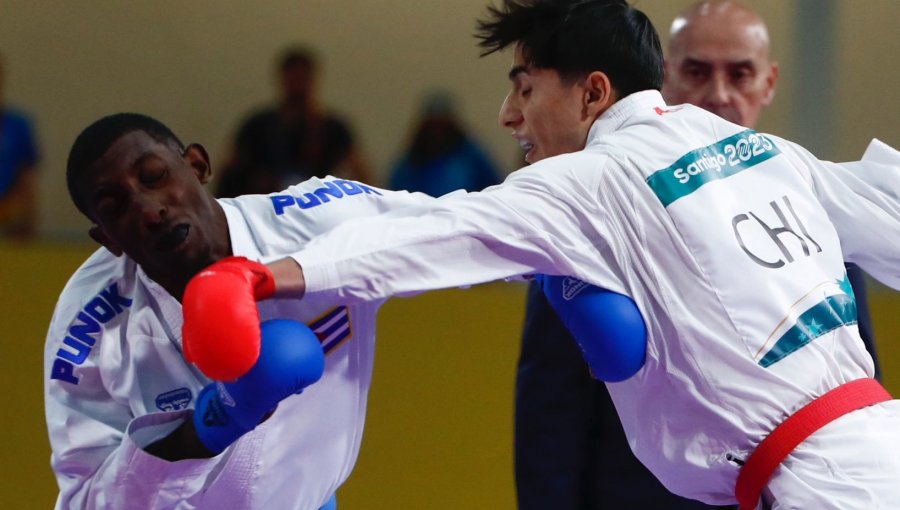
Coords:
718,59
726,15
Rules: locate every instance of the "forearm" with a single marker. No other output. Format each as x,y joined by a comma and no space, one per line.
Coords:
474,239
289,279
406,270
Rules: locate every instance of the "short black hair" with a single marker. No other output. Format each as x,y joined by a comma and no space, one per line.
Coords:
97,138
577,37
297,56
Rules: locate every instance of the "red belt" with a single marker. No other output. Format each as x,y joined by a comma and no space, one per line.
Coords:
755,473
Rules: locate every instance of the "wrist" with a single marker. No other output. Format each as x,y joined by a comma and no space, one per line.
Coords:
288,277
256,274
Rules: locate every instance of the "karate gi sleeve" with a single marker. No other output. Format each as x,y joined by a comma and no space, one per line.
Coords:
862,199
542,219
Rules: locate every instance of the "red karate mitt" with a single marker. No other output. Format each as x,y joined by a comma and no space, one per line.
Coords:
221,333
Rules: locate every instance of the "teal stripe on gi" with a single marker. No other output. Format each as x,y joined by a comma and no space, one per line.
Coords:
829,314
717,161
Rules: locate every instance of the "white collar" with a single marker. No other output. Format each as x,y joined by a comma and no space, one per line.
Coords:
617,114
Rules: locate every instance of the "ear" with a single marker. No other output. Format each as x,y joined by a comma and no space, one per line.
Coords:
198,158
771,80
599,94
97,234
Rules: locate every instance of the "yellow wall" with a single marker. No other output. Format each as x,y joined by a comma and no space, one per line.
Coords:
31,279
439,430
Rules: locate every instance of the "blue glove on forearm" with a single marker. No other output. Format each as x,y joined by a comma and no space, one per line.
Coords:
290,359
607,326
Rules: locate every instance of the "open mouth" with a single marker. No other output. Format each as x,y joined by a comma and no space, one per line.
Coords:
173,238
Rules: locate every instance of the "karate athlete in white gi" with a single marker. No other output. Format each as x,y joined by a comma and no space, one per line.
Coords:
116,382
731,243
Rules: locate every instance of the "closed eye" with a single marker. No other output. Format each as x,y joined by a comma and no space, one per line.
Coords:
518,76
153,172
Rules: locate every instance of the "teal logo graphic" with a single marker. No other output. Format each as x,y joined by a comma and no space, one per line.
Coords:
713,162
825,316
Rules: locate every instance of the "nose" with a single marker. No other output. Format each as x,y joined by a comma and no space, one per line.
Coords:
719,93
150,210
510,114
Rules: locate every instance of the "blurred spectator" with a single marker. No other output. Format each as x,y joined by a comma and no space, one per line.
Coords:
441,157
292,141
18,173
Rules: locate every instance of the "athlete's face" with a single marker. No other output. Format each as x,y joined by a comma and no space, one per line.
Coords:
547,116
148,201
721,64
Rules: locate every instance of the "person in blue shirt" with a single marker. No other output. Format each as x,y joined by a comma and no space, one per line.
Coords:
441,156
18,173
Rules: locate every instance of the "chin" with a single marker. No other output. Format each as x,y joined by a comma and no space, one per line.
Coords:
190,261
200,259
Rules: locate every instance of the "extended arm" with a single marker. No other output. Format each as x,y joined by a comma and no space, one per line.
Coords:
531,223
457,240
863,201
